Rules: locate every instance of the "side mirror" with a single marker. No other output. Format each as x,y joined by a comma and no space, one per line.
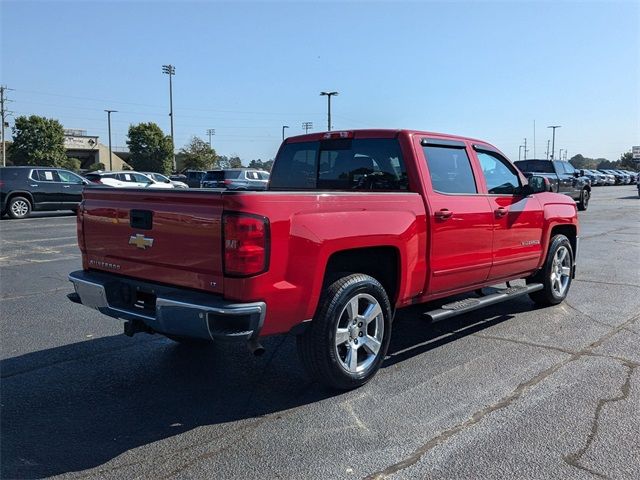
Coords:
536,184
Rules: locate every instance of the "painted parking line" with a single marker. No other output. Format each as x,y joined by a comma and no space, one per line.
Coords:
40,239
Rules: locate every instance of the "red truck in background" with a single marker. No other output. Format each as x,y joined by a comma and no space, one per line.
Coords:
353,225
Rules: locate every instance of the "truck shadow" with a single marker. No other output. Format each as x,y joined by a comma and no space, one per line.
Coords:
79,406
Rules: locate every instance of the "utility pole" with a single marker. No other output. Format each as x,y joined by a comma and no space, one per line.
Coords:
525,148
534,139
283,127
328,95
171,71
547,152
553,142
307,126
211,131
560,154
519,152
3,119
109,112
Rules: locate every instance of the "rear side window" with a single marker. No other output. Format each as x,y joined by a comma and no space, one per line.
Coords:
538,166
341,164
450,169
8,174
213,176
46,175
232,174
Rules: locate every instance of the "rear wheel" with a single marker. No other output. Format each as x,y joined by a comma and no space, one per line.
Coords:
19,207
583,203
556,274
348,338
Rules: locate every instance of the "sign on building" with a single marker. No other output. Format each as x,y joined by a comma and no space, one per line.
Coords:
636,152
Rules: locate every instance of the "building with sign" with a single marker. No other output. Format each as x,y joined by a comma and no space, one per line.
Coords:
89,150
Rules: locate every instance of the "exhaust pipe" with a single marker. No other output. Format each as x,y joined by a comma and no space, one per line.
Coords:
255,347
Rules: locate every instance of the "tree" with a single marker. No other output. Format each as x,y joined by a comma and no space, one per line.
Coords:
198,155
38,141
96,166
230,162
71,164
151,150
606,164
628,163
260,165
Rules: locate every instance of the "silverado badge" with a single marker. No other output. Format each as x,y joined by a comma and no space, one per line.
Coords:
140,241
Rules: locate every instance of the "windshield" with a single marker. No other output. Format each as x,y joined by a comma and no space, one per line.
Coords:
538,166
340,164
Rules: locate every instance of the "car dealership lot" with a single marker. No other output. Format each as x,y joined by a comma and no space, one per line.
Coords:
503,392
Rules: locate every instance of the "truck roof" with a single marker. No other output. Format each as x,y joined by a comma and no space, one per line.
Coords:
377,133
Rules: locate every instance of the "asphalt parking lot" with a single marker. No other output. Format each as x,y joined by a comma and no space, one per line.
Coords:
507,392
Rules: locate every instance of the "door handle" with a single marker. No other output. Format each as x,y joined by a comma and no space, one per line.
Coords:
66,186
501,211
443,214
32,185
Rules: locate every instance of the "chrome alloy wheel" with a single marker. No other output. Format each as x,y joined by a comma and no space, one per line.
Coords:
20,208
359,333
561,271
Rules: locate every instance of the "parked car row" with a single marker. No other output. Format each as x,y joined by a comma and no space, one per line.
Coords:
231,178
621,177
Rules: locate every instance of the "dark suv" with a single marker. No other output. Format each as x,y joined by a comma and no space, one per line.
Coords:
24,189
193,178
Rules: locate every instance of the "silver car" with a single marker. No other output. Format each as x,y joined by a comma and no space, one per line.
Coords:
235,179
158,177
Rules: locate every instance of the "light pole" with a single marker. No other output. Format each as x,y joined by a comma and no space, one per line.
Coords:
328,95
211,131
171,71
307,126
109,112
519,152
560,154
547,152
283,127
553,142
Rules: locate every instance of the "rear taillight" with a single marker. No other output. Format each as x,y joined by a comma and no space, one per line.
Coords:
80,227
246,244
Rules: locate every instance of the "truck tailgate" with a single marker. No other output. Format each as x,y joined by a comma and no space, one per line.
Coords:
166,236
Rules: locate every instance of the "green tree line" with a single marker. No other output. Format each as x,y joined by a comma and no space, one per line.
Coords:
625,162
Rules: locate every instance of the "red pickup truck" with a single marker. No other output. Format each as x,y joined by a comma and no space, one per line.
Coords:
353,225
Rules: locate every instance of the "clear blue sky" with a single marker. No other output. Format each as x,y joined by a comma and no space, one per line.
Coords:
478,69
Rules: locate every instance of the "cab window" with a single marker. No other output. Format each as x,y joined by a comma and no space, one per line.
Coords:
498,174
68,177
450,169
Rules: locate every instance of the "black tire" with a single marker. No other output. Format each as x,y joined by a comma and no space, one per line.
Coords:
550,294
19,207
583,203
318,349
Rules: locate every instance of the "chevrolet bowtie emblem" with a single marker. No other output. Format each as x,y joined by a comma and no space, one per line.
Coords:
140,241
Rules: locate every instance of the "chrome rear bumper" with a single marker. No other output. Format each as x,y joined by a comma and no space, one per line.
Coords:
168,310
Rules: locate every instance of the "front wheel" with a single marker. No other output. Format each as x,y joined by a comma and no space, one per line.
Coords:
583,203
348,338
556,273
